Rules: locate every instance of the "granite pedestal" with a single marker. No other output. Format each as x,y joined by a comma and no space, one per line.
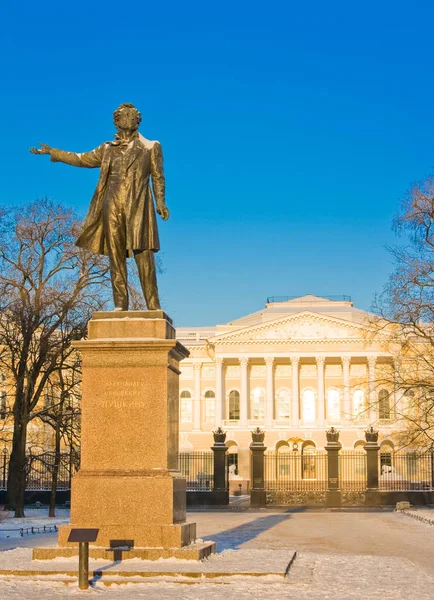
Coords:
129,486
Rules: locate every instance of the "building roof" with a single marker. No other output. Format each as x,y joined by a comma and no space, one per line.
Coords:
341,308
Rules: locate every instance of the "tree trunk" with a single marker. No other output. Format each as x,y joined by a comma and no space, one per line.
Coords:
17,469
52,509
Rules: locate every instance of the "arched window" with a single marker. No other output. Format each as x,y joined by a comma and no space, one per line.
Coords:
3,406
386,458
358,404
359,460
234,405
408,404
308,454
333,406
309,406
232,458
283,404
384,404
257,398
186,407
209,406
283,462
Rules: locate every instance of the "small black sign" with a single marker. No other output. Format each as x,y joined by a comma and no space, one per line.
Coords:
83,535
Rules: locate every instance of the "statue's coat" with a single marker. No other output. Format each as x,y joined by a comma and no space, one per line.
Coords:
145,161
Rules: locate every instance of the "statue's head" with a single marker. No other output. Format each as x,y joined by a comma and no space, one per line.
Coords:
126,116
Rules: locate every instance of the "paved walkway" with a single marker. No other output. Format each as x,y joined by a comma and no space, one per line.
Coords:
341,556
382,533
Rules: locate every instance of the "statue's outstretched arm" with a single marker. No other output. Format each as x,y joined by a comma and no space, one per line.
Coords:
86,159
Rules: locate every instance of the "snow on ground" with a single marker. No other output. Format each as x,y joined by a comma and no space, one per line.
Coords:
313,576
35,517
379,555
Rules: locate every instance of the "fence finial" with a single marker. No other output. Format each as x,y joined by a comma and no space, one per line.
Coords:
258,436
332,435
371,435
219,436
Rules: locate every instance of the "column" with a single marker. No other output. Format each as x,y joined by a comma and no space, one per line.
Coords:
295,404
346,361
372,412
196,406
269,409
320,417
219,390
244,392
396,407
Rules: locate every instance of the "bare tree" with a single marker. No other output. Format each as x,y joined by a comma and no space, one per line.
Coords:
48,290
405,321
61,413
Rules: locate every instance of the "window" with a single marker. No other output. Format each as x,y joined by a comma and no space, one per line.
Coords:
209,411
333,406
358,404
383,404
234,405
308,461
386,459
257,398
283,404
283,461
360,459
408,404
232,460
309,406
186,407
2,405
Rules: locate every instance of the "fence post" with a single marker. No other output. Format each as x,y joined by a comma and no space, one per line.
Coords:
258,494
333,494
220,486
372,448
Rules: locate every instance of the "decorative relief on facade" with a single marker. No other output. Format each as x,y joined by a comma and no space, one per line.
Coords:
258,371
333,371
308,329
308,371
304,327
208,372
358,370
283,371
233,372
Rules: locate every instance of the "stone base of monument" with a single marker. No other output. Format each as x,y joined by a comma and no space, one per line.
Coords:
194,551
255,564
129,486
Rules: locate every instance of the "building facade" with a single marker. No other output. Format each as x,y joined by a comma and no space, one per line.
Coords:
295,368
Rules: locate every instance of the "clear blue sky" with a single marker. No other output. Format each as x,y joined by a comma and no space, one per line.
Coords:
290,131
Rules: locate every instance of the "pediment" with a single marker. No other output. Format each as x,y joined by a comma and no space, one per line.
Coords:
302,326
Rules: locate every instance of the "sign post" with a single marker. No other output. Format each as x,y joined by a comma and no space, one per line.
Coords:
83,537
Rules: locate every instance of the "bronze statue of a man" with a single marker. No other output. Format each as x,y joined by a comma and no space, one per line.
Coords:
121,220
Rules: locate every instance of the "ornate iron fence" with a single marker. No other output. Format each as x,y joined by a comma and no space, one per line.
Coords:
352,471
40,469
295,472
198,469
406,471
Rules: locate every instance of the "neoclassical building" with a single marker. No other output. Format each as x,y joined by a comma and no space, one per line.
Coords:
294,368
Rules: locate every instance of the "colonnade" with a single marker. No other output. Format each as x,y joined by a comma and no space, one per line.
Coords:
270,363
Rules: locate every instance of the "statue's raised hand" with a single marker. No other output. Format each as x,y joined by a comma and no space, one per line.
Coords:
45,149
